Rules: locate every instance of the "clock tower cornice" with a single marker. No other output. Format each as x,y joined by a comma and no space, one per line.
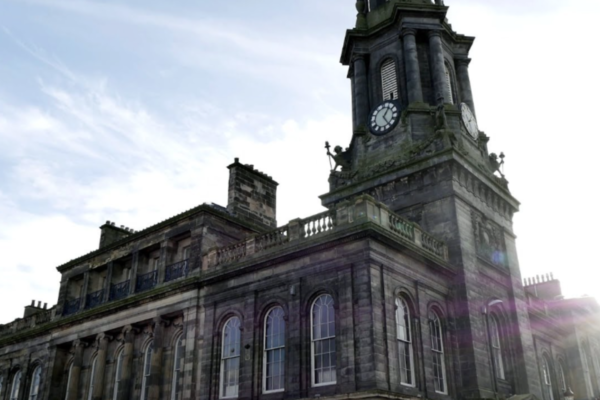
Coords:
362,183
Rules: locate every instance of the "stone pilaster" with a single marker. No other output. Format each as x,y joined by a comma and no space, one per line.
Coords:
135,261
464,82
126,372
361,91
157,359
437,65
102,344
413,72
75,372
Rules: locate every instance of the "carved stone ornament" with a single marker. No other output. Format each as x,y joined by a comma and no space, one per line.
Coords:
489,240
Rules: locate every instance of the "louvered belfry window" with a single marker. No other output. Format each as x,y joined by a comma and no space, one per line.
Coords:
389,80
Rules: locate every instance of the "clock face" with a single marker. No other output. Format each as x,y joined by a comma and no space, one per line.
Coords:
469,120
384,117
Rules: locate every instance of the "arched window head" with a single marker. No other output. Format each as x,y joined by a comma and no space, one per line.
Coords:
547,378
230,358
448,88
16,386
496,344
178,358
146,371
389,80
323,360
36,379
274,351
118,372
404,340
437,352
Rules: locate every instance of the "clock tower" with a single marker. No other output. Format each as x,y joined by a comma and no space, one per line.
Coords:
416,147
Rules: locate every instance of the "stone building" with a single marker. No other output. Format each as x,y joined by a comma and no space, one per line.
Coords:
407,286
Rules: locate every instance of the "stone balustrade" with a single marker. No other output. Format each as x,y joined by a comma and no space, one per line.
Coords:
345,215
21,324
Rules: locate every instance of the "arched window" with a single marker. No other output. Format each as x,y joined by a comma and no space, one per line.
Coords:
92,378
146,371
405,346
389,80
323,360
562,377
230,358
118,372
36,379
449,92
16,386
437,352
274,351
547,379
496,344
178,359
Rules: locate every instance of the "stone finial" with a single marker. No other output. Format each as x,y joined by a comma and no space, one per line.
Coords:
361,17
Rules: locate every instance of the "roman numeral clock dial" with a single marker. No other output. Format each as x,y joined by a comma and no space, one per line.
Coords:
384,117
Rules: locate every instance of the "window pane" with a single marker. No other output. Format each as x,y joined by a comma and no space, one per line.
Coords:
230,358
323,340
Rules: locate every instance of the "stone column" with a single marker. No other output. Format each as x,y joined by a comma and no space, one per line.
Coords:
464,82
156,360
125,384
413,72
438,69
361,91
102,344
75,372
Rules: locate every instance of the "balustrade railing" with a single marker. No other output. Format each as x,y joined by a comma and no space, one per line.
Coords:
231,253
364,208
176,271
433,245
272,239
402,227
71,306
118,291
146,281
94,299
317,224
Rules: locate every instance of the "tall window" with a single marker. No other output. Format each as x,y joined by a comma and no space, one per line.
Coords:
147,369
389,81
547,378
230,358
562,378
118,372
36,378
16,386
437,350
496,347
405,347
449,93
92,378
178,358
274,351
323,341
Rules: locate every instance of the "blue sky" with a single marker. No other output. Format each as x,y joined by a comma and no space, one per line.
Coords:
130,111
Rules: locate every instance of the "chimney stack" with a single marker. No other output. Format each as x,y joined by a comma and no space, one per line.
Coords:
110,233
252,195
